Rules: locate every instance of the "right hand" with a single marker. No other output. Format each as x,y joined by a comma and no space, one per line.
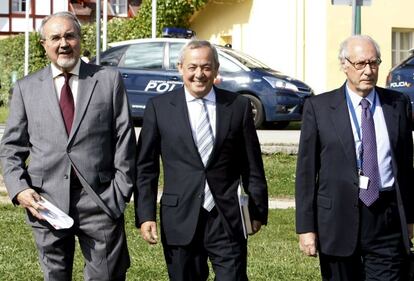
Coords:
149,232
307,243
28,199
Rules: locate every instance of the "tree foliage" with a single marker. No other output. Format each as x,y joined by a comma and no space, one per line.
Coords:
170,13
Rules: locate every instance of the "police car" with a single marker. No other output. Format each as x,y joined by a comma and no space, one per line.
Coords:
149,67
401,77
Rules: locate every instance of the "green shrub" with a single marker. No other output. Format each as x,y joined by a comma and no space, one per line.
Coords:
169,13
12,60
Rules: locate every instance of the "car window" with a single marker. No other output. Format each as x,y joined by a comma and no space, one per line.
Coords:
227,65
144,56
247,60
410,61
112,56
175,49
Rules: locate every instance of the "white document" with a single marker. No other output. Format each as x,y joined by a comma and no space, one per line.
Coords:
53,215
244,211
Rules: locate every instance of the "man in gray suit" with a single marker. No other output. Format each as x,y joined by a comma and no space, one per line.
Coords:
72,119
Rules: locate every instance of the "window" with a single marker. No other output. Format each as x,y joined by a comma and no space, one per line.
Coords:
175,49
18,5
402,42
144,56
120,7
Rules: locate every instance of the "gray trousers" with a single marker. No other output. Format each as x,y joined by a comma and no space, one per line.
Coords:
102,241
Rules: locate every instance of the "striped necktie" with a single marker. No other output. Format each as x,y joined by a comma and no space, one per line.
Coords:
205,142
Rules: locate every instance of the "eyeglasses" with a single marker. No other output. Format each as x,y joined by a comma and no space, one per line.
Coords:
360,65
70,36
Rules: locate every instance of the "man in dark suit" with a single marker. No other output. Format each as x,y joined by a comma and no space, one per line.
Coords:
69,139
207,141
354,178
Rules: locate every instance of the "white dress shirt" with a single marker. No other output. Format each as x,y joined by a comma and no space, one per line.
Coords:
59,80
194,110
381,134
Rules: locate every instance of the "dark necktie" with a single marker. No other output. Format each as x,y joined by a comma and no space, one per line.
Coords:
205,143
66,103
369,156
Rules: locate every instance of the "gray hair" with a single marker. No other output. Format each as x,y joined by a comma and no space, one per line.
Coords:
196,44
67,15
343,48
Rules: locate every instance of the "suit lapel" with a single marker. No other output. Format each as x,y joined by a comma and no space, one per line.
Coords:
180,111
87,83
342,124
48,92
223,117
391,117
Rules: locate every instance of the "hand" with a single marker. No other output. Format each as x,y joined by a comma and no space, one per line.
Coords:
256,225
307,243
149,232
28,199
410,230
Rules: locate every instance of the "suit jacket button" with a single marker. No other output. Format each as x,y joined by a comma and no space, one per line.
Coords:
65,177
68,151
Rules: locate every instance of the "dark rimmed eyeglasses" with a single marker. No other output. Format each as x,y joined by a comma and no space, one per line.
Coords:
359,65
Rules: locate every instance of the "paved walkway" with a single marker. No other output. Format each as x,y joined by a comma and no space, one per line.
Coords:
271,141
274,203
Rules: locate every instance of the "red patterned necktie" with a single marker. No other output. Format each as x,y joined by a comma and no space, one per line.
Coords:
66,103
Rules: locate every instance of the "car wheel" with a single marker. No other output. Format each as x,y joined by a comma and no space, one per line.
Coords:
257,109
281,125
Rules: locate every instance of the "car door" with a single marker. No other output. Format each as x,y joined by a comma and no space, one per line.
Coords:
172,75
142,68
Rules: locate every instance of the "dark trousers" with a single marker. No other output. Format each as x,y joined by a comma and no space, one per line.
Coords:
228,257
380,254
102,241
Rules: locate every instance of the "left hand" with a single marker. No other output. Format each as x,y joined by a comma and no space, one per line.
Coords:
256,225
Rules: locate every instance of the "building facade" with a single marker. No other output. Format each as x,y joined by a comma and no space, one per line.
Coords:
13,12
301,37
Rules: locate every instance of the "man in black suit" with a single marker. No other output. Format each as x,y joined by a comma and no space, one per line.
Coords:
207,141
354,177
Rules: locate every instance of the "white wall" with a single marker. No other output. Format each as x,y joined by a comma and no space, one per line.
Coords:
43,7
19,25
4,24
4,7
315,48
59,5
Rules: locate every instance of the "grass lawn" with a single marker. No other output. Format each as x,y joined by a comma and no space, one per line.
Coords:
273,252
280,174
4,113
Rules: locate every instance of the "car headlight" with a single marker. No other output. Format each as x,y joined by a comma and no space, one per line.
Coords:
281,84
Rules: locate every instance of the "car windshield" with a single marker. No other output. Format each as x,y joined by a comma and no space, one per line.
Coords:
245,59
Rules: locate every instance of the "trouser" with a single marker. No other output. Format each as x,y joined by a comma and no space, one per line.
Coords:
380,254
227,256
102,241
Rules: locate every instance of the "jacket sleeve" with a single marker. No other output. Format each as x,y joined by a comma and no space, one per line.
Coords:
253,173
125,141
148,168
306,171
15,146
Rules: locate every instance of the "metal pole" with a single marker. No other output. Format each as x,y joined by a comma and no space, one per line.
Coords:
26,39
98,32
353,16
105,25
358,20
154,18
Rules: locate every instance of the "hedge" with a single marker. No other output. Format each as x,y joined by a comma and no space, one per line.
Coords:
169,13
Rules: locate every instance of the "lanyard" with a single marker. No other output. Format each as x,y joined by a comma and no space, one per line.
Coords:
357,126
